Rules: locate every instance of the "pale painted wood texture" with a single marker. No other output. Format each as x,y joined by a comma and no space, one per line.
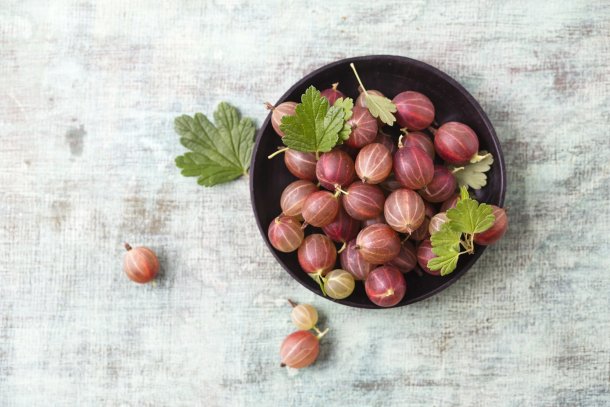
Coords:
89,91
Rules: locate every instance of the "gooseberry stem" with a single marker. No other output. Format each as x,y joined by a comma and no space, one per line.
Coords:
335,85
269,106
280,151
318,278
400,145
342,248
389,292
292,303
358,78
320,334
432,130
127,247
339,191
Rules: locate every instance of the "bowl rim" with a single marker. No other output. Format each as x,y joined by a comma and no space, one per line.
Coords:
403,60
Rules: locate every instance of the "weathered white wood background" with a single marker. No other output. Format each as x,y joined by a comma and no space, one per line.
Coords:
88,93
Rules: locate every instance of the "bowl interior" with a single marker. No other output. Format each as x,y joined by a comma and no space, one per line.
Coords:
390,75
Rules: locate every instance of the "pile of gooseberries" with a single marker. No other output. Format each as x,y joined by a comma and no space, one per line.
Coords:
372,203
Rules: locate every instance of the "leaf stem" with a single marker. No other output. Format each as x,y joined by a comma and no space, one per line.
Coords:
280,151
358,77
457,169
468,243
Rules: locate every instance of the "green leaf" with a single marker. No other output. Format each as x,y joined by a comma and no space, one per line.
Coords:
315,126
347,105
446,237
344,133
473,175
381,107
446,246
446,260
219,153
470,217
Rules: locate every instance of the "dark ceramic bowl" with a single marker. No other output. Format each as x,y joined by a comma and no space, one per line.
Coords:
391,75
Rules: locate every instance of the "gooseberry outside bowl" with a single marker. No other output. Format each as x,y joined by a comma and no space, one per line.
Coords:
391,75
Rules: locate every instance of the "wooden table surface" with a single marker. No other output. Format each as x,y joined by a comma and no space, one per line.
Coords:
88,93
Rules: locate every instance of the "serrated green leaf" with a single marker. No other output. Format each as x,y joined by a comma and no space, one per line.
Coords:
381,107
345,132
333,121
347,105
470,217
315,126
237,132
210,174
473,175
446,260
220,153
446,237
